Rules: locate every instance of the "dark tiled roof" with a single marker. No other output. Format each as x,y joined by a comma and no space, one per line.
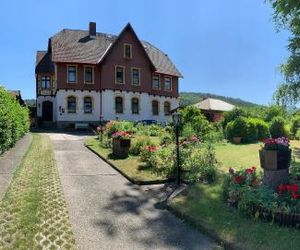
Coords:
75,46
43,63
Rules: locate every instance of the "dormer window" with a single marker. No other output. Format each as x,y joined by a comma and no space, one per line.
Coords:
46,82
127,51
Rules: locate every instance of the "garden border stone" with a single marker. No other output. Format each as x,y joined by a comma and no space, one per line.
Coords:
201,227
153,182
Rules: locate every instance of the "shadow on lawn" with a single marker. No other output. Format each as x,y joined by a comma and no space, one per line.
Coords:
136,218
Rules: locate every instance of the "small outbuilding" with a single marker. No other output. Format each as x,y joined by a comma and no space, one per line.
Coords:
214,109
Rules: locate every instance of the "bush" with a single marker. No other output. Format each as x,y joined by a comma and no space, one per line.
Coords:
162,160
149,130
138,143
257,129
115,126
278,128
274,111
297,136
14,120
236,128
233,115
166,139
193,119
295,125
201,164
250,129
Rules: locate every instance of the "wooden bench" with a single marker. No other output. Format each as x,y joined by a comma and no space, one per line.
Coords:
81,125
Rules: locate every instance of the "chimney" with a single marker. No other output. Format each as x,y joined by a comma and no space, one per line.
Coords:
92,29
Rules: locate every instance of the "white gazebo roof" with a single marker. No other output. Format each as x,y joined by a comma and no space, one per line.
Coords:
214,104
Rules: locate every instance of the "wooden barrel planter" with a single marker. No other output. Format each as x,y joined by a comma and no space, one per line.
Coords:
276,165
120,147
237,139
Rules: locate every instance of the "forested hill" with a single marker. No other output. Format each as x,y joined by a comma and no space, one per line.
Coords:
187,98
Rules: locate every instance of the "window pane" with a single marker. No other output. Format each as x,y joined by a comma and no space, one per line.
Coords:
135,76
119,105
88,74
71,104
155,110
155,82
168,83
167,108
135,105
87,106
127,51
71,74
46,82
119,75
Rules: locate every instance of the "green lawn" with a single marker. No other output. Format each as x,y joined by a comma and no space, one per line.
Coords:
33,212
203,204
131,166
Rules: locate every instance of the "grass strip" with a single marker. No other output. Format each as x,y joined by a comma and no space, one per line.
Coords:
33,212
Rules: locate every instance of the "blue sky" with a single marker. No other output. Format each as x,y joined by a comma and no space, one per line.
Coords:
227,47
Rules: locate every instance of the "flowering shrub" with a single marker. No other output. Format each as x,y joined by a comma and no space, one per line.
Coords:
281,143
146,153
138,143
121,135
162,160
236,181
242,190
115,126
200,164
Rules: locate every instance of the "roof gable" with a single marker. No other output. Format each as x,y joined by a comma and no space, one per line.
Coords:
128,28
76,46
214,104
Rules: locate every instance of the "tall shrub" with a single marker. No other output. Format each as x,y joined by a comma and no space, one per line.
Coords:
295,124
194,120
14,120
278,128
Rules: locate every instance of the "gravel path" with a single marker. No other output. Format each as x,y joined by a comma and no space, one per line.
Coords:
10,160
108,212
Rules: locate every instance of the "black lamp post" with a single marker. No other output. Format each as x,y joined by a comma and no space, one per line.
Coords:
177,120
101,128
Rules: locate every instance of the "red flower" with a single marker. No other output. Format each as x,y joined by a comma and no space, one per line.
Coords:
239,179
250,170
151,149
281,188
295,196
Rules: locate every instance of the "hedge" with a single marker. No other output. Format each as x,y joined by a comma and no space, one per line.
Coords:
14,120
250,129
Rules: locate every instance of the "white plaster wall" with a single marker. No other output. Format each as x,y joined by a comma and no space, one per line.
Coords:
40,101
61,101
108,102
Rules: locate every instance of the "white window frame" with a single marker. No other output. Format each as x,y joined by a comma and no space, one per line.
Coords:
123,67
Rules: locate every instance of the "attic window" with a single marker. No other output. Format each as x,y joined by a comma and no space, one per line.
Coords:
127,51
46,82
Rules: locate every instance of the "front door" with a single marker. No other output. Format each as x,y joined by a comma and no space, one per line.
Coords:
47,111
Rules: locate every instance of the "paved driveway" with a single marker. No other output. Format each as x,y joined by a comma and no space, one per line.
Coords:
108,212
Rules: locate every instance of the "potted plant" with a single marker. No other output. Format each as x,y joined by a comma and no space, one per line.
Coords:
275,154
120,144
275,159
